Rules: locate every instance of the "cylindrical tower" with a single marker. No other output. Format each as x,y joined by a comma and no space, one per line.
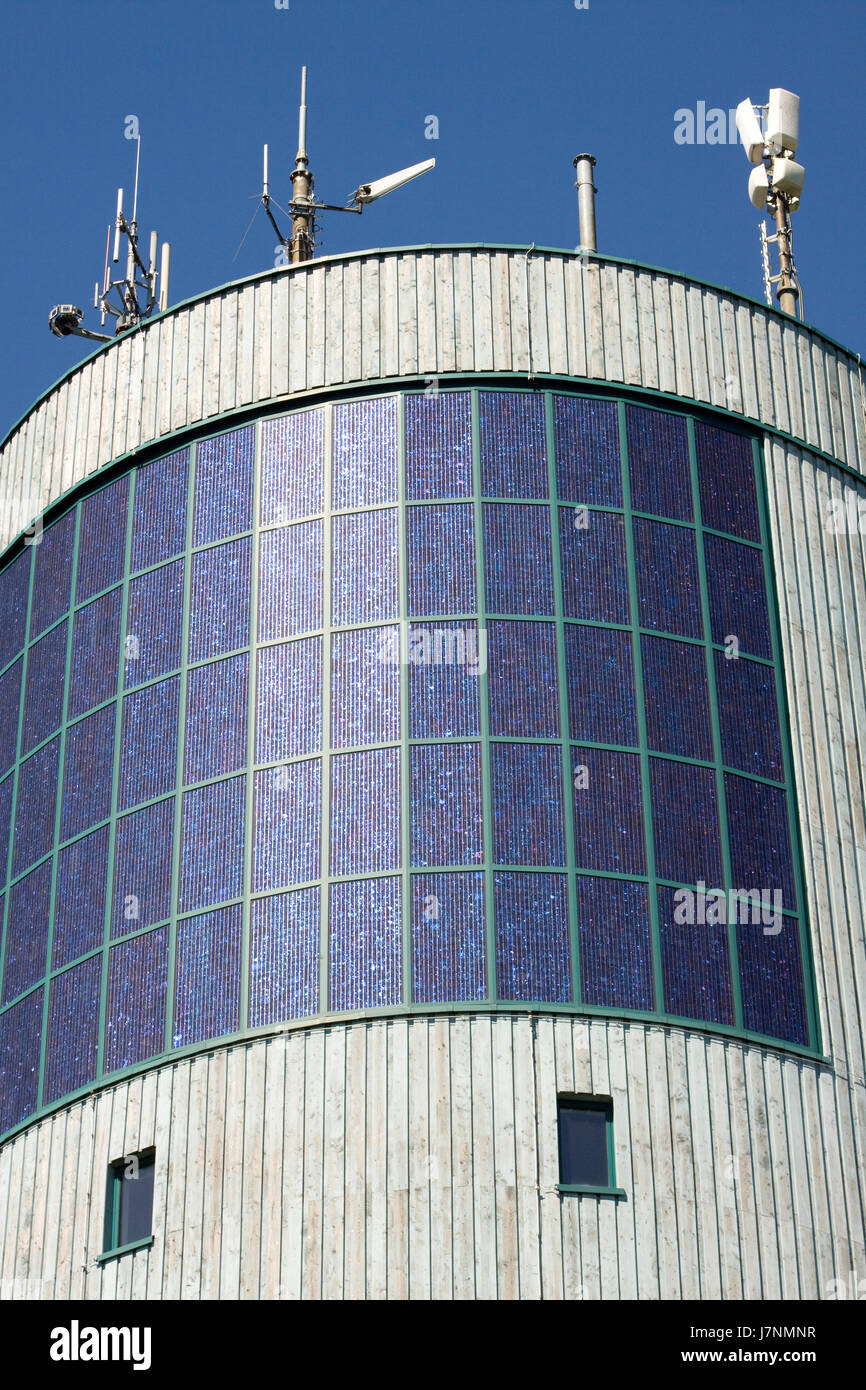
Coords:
431,819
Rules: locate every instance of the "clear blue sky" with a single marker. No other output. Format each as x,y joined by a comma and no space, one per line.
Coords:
519,87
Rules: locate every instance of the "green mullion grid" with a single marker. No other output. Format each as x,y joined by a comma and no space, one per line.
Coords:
649,835
733,952
483,707
252,710
115,777
807,963
325,778
58,809
176,864
16,773
405,768
562,689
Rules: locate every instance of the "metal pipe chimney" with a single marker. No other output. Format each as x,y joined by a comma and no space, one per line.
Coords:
586,190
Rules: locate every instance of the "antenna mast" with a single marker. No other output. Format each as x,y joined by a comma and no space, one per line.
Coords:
137,291
775,184
303,206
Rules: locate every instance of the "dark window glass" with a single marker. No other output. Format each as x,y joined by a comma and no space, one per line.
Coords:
134,1178
583,1149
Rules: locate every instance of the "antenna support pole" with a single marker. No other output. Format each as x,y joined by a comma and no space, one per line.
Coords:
301,207
586,191
786,290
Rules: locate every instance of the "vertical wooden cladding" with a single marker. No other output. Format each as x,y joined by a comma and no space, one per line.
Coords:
427,312
418,1159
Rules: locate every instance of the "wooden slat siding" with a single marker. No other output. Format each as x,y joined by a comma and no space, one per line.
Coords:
233,1174
317,317
483,1184
777,1214
67,473
526,1160
292,1223
648,330
715,351
334,1160
397,1160
180,371
407,317
793,378
697,326
376,1183
676,291
473,313
575,334
500,312
446,334
313,1166
609,279
419,1162
252,1235
133,434
120,392
289,330
443,1233
781,413
819,378
706,1163
781,1178
267,1270
262,335
630,325
354,1274
71,1121
333,325
371,331
462,1159
246,345
353,347
165,372
504,1175
557,318
683,1175
388,310
428,358
532,318
732,386
54,1137
287,306
229,344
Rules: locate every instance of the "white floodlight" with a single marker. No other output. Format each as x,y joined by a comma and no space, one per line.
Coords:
369,192
749,128
783,119
759,187
788,176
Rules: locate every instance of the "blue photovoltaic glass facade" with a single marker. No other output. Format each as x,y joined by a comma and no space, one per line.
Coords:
407,700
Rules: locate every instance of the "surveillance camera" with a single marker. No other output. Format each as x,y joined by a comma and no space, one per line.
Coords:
65,319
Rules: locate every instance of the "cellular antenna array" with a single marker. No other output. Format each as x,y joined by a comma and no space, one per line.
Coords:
775,184
136,292
303,207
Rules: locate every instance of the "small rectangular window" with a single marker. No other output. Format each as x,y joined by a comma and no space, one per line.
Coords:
129,1201
586,1144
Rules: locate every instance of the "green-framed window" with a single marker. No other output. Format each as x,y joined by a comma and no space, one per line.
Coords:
129,1203
585,1137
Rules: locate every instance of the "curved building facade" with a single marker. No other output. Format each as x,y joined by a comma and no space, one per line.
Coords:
415,717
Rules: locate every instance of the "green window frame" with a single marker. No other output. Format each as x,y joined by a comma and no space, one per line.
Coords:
594,1105
117,1179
